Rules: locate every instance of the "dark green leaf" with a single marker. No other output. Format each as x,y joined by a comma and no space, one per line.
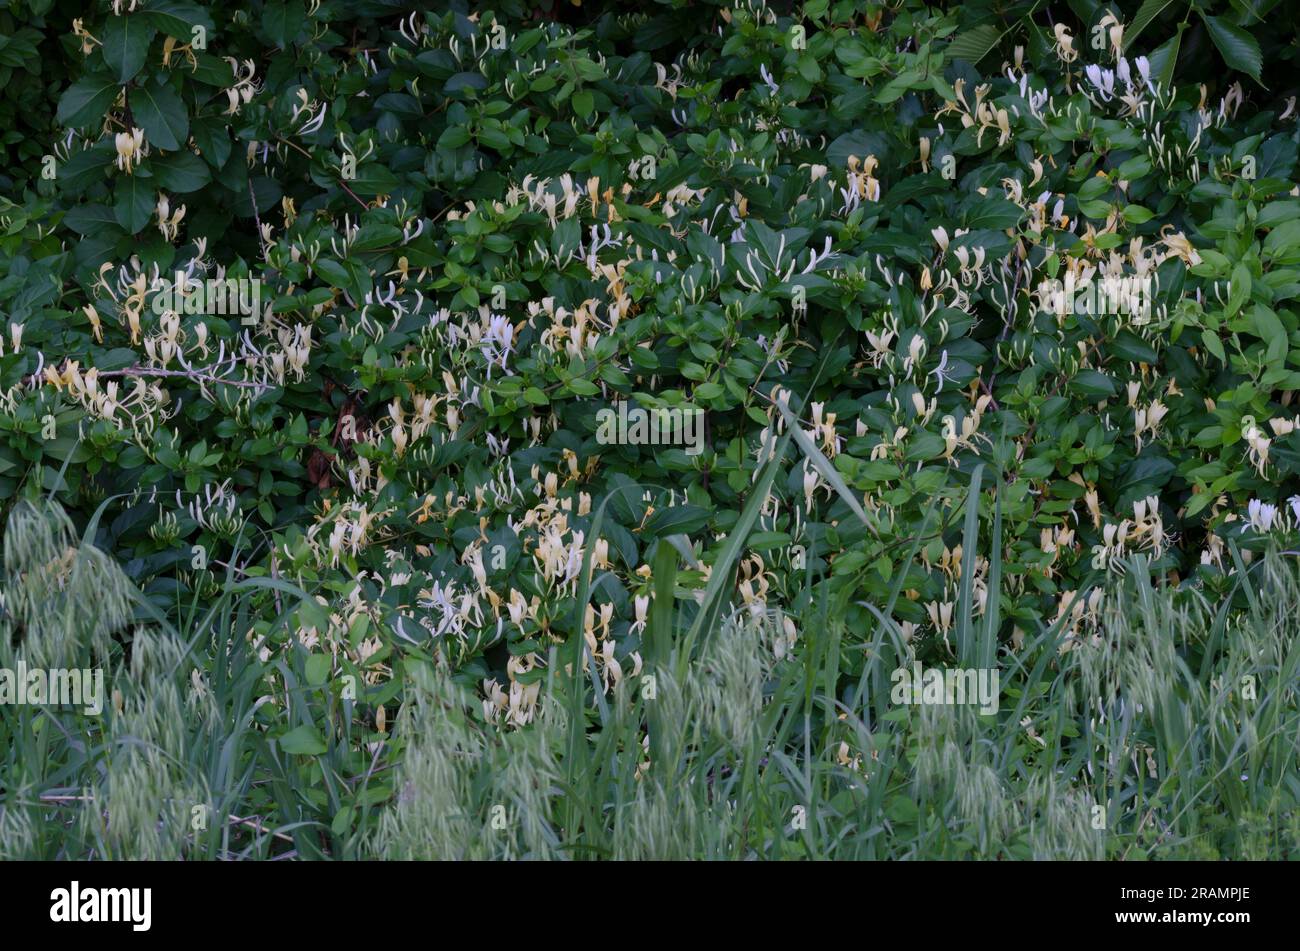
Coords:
974,44
161,113
86,101
126,44
135,202
1240,50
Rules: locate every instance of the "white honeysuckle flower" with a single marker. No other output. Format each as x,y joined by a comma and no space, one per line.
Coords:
1144,70
1260,516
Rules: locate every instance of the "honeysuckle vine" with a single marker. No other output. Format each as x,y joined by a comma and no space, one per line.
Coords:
473,231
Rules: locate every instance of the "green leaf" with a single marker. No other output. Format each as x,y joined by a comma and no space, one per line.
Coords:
283,21
318,668
85,168
1238,290
1269,329
212,139
677,520
583,103
374,179
1240,50
86,101
1137,215
994,214
90,219
1149,10
1214,345
988,635
856,143
305,740
1093,386
659,632
332,272
161,113
1098,210
658,32
974,44
126,44
180,172
135,202
1165,59
178,18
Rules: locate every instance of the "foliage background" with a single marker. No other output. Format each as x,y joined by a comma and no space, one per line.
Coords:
736,208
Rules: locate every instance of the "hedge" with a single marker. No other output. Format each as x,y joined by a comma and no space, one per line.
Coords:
470,231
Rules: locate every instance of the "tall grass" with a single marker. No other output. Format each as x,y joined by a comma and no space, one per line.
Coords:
1134,753
1173,730
168,768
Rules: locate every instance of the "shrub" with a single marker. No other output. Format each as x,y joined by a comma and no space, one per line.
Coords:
1018,286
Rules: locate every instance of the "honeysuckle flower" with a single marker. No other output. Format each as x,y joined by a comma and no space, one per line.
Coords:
172,46
1144,70
665,84
1258,446
130,149
811,482
1122,71
940,615
641,608
88,42
1103,80
1064,47
243,89
1176,242
1147,421
941,373
613,671
1261,516
168,222
1115,32
93,316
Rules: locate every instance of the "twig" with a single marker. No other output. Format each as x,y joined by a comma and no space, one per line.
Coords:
252,200
187,374
342,184
254,822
